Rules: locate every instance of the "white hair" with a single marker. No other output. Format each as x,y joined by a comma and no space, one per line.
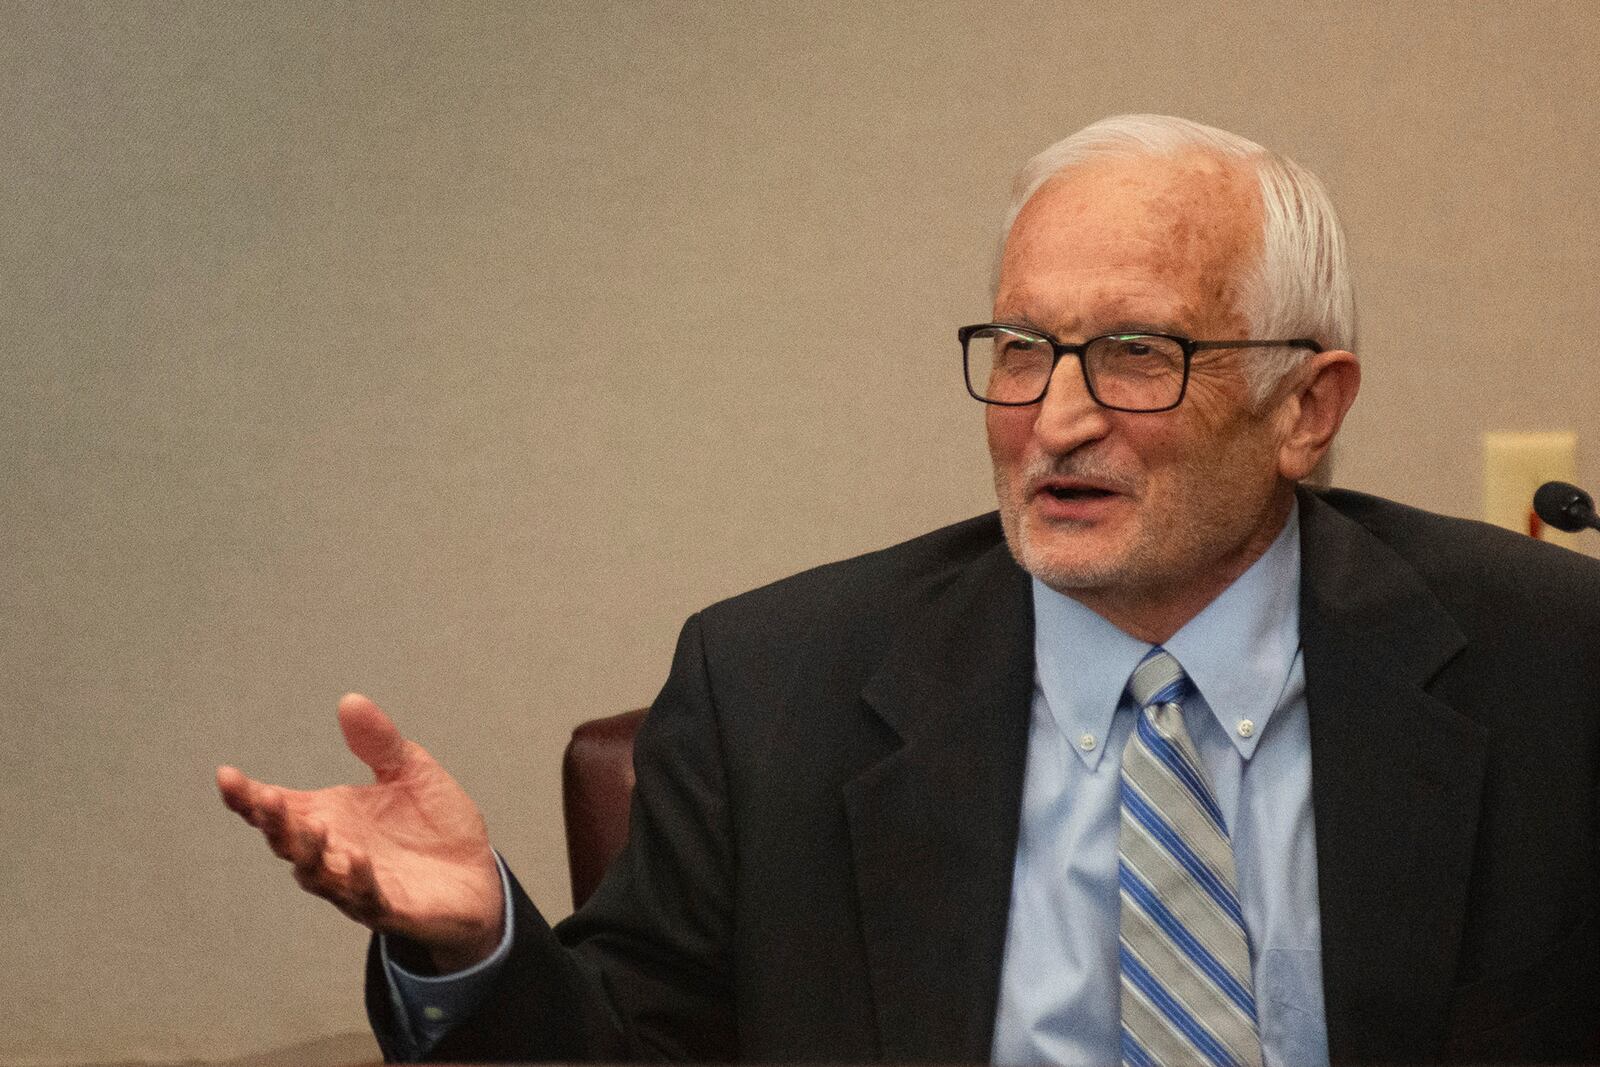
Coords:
1300,286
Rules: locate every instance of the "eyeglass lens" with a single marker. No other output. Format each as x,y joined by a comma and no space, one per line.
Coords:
1134,371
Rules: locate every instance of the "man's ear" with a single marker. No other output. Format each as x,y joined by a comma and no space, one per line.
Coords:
1313,409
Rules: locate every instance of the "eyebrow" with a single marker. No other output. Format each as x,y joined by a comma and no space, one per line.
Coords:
1119,327
1026,304
1028,309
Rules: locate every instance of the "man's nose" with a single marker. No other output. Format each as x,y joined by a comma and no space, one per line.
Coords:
1068,415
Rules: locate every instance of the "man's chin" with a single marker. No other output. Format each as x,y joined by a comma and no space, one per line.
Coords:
1065,562
1069,577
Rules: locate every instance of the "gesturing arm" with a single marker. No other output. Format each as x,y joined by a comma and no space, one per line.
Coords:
406,856
643,972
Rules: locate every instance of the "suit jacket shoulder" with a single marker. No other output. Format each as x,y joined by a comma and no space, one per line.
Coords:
1482,573
872,592
1452,672
809,642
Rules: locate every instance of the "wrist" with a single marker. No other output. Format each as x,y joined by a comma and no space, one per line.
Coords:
474,939
459,955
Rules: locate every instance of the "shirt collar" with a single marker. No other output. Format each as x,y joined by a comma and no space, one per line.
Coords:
1238,652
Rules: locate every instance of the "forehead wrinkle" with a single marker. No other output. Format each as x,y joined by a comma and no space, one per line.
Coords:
1190,224
1095,314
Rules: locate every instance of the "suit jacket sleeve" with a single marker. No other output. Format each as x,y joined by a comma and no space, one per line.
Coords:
642,970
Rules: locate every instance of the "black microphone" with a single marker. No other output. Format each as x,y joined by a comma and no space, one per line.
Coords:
1566,507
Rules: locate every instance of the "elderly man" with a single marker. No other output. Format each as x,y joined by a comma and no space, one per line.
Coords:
1226,771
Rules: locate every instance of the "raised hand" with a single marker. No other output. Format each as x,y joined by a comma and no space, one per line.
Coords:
407,855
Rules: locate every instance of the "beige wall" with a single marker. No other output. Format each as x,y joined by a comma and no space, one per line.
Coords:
456,352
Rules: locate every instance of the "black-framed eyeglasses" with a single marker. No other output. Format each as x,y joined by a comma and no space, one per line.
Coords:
1012,366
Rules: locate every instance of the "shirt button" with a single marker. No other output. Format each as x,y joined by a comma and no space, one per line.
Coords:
1246,727
1086,742
433,1013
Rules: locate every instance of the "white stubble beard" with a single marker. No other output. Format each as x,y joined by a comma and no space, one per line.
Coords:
1013,503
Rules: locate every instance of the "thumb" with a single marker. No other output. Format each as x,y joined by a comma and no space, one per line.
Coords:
373,736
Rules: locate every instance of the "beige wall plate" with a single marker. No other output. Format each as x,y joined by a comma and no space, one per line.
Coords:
1515,464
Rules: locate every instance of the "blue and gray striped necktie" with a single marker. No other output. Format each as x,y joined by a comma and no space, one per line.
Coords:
1186,989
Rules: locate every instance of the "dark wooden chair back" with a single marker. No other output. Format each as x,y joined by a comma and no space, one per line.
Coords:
596,788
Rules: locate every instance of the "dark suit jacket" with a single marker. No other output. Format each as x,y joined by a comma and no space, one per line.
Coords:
829,788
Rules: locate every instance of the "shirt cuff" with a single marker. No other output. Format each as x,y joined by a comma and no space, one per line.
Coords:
428,1006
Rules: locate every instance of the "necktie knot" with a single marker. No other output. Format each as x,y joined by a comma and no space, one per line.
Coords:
1158,679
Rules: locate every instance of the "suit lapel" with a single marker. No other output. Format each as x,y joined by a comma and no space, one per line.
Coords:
934,825
1395,789
1396,776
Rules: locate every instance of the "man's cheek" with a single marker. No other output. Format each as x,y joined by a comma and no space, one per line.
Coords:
1008,431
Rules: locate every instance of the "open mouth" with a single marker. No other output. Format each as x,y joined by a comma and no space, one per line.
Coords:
1073,492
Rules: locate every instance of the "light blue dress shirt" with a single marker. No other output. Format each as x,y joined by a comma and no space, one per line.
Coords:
1059,983
428,1006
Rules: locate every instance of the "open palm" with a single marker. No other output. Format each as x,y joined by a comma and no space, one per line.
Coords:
407,855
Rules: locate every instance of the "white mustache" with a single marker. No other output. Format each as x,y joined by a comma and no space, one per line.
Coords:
1090,468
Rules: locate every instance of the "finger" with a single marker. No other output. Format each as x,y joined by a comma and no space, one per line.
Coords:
243,795
235,790
326,871
373,736
308,842
346,880
312,882
363,902
271,816
315,867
